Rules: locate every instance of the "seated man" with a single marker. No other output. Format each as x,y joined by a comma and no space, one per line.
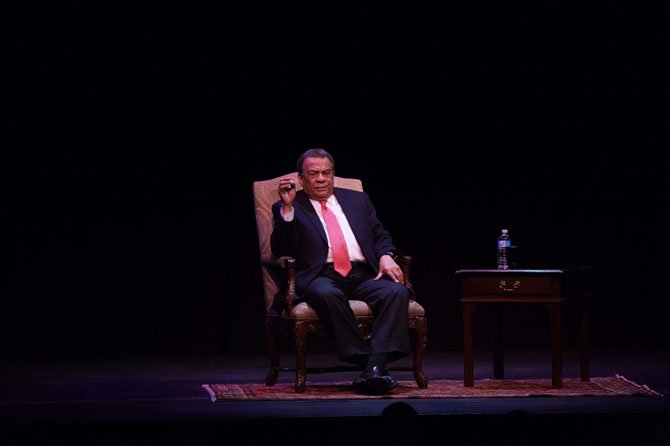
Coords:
343,252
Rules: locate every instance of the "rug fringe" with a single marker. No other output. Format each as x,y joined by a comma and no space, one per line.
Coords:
636,384
212,394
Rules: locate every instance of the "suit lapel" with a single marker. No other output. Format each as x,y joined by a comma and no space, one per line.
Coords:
349,212
303,201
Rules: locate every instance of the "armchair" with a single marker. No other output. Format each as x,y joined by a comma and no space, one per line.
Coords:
284,317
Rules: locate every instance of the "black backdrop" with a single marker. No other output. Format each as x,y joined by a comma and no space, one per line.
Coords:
134,136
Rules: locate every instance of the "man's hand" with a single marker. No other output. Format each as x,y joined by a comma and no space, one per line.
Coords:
388,266
287,189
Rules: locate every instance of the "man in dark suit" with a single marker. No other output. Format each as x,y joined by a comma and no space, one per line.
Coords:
303,229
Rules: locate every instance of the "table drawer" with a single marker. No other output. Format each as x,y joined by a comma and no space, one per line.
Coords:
509,285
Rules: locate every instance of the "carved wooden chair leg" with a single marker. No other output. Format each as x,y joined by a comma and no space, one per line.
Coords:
271,377
300,340
419,349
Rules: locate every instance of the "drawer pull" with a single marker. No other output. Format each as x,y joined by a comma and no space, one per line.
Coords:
503,285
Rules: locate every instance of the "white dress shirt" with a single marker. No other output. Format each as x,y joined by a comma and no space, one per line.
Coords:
355,253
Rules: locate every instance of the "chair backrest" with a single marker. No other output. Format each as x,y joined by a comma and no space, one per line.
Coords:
265,195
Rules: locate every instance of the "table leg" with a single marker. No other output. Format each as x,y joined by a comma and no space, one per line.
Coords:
499,344
585,350
468,359
556,351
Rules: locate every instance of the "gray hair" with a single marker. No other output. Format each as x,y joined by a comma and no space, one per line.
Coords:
315,153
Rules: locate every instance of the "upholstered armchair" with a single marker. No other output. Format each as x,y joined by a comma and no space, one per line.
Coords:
284,317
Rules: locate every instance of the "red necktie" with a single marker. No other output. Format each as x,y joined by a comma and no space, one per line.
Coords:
341,260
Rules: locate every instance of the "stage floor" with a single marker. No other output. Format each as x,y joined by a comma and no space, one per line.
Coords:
127,400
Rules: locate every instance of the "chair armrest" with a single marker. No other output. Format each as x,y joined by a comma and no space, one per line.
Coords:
282,271
289,266
404,262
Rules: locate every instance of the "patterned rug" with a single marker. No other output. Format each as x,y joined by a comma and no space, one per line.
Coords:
616,385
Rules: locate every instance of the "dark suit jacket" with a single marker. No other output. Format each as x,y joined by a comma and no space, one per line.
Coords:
305,239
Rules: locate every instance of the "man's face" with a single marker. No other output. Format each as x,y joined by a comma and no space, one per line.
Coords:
317,178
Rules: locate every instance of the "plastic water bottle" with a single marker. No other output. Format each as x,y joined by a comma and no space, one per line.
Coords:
504,244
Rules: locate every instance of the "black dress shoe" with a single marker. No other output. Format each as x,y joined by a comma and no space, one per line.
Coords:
369,373
375,381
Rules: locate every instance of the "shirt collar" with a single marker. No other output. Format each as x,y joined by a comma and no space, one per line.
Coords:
332,200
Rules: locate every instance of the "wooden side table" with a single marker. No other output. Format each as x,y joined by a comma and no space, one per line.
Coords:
552,287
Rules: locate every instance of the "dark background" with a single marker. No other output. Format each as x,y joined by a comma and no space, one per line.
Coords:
133,136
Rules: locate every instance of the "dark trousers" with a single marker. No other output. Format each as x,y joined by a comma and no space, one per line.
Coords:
329,295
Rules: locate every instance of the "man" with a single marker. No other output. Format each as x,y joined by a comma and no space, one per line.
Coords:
343,252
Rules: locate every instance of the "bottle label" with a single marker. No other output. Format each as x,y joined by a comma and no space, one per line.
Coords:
504,244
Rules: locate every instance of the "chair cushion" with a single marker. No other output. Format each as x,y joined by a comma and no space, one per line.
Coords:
360,308
415,309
